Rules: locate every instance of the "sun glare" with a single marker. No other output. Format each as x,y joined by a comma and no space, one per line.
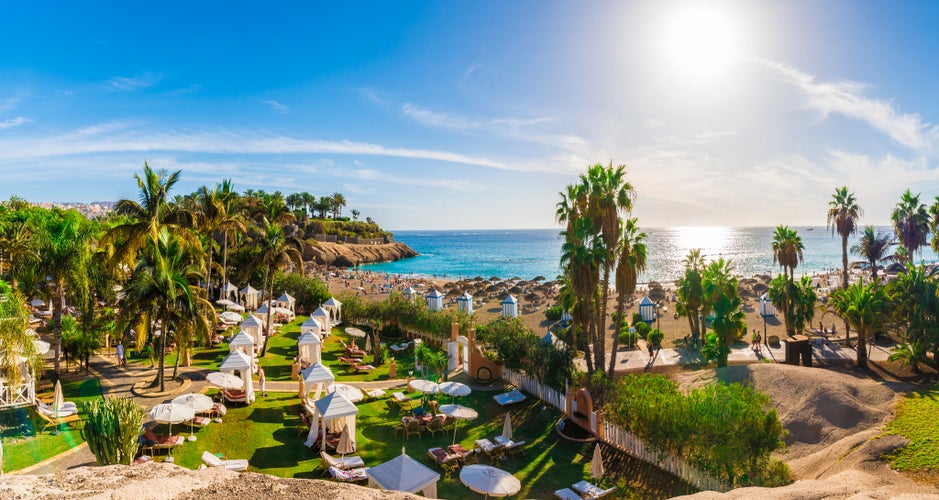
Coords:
700,39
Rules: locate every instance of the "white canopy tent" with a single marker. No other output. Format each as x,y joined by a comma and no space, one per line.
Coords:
465,303
252,326
286,301
410,293
403,473
318,374
434,300
236,361
261,312
322,316
334,308
311,325
229,292
249,296
242,342
333,412
310,347
510,307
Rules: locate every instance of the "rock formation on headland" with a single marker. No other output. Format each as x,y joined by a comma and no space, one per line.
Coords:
348,255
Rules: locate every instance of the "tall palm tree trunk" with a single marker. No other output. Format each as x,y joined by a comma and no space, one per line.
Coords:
224,263
620,310
160,371
862,349
58,304
270,314
208,271
844,285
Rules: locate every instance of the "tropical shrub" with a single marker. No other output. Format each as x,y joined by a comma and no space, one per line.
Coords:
553,313
309,292
642,329
628,338
655,336
112,429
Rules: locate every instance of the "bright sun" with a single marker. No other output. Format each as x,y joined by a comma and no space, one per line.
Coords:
700,39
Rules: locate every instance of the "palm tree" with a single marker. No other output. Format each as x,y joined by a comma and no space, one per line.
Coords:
914,301
873,248
864,307
631,262
721,296
232,207
63,243
581,258
843,213
339,201
14,339
787,251
215,216
277,250
910,222
690,293
17,250
324,204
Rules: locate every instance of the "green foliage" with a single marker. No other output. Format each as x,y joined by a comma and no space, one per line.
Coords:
553,313
112,429
628,339
309,292
637,318
722,298
80,342
13,337
642,329
916,420
655,336
723,429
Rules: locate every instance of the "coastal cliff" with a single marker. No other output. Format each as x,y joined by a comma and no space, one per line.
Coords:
348,255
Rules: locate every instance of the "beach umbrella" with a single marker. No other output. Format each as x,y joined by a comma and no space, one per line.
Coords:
455,389
458,412
489,481
507,428
346,444
347,391
198,402
58,400
236,307
224,302
42,346
224,380
355,332
171,413
596,465
425,386
368,344
230,317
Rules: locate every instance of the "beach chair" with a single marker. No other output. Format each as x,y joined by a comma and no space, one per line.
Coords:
490,449
401,400
153,442
214,461
362,368
590,490
449,462
235,396
349,361
340,463
413,427
435,425
567,494
508,398
55,422
348,475
67,408
515,448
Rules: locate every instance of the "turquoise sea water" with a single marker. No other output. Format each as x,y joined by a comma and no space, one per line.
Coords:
527,253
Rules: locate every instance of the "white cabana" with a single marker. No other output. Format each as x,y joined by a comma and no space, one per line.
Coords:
465,303
766,306
229,292
249,296
316,377
333,413
509,307
252,326
242,342
310,347
322,316
286,301
647,309
410,293
311,325
237,361
334,308
434,300
261,312
403,473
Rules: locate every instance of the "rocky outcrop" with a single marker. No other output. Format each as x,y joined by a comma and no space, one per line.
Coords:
348,255
170,482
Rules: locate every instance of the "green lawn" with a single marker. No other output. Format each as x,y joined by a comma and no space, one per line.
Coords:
916,420
267,433
22,447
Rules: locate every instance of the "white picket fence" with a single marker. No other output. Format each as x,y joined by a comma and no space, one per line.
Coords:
535,388
620,438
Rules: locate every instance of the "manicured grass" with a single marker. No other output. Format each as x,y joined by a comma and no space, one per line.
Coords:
916,420
268,435
22,446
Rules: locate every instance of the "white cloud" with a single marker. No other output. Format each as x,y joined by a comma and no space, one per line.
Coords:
132,83
276,106
14,122
470,71
846,98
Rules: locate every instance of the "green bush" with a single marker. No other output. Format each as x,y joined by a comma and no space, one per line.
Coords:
309,292
112,429
655,336
628,339
553,313
642,329
637,318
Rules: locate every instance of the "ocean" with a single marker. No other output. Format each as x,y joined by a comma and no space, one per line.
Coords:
528,253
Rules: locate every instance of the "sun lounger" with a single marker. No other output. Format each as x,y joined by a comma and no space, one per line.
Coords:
362,368
567,494
349,361
55,422
214,461
67,408
348,475
341,463
449,462
401,399
235,396
590,490
511,397
153,442
514,448
491,450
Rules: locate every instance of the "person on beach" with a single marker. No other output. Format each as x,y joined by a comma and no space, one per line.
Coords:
757,338
262,382
651,350
119,350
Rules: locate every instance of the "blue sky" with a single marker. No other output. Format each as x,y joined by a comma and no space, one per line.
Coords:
475,114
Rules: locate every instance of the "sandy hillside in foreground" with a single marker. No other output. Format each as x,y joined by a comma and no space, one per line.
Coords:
834,421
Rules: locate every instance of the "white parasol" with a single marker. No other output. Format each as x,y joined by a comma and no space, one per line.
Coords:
198,402
42,347
346,443
230,317
225,380
507,429
425,386
58,400
171,413
347,391
489,481
459,412
455,389
235,307
355,332
224,302
596,465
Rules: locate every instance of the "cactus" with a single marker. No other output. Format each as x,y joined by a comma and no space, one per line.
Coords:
113,429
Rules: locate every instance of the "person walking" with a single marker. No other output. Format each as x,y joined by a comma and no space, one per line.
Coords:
119,350
262,382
